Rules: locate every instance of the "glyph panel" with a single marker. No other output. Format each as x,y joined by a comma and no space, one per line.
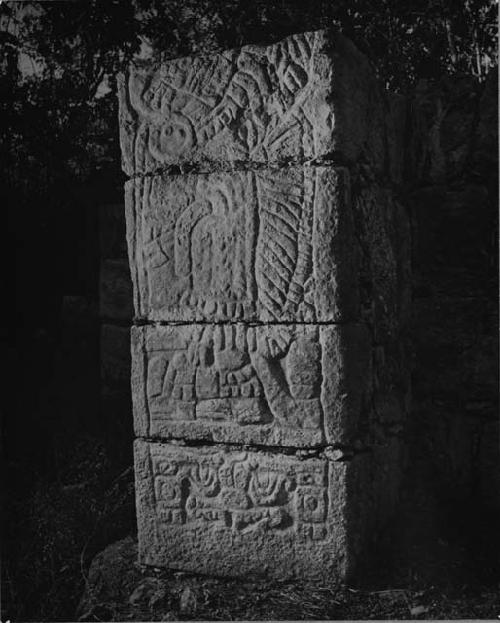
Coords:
265,353
266,245
214,510
308,96
267,384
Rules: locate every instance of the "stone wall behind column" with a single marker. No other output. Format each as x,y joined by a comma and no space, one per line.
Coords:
453,162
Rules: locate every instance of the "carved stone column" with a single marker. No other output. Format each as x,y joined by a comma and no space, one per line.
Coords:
269,257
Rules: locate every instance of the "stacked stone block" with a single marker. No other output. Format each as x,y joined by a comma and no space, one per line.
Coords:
267,251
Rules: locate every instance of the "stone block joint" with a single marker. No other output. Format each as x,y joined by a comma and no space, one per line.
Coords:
262,364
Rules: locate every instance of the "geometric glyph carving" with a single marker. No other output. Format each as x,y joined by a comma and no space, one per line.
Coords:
216,510
266,260
266,245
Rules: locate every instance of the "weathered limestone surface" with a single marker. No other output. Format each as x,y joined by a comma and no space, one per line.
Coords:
225,512
295,385
270,264
268,245
309,96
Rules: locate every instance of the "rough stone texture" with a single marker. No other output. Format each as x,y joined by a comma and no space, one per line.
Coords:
294,385
213,510
268,245
382,227
270,265
309,96
291,244
119,590
224,511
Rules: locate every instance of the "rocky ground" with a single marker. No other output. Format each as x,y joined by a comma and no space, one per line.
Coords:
69,549
119,590
71,555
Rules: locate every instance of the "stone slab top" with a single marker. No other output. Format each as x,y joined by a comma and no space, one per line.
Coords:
310,96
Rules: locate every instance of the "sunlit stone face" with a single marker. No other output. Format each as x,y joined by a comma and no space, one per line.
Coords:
263,246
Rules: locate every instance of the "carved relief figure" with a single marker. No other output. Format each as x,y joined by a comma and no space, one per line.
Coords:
290,372
230,246
237,375
198,246
251,103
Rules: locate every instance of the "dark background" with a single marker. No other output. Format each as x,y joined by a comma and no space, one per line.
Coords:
66,433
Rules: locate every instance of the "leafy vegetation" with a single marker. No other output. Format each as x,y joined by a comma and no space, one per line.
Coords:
60,59
60,130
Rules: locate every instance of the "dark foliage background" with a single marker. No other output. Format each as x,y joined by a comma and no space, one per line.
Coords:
59,124
67,493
